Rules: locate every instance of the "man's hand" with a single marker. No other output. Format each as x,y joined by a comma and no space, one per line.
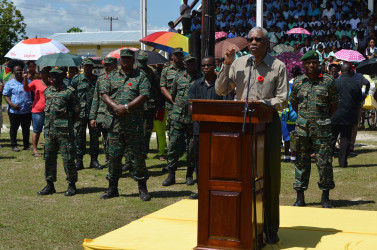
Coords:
16,107
229,55
120,110
93,124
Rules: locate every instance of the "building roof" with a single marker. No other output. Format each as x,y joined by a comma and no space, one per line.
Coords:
100,38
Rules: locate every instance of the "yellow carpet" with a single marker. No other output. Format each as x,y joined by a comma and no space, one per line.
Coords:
175,227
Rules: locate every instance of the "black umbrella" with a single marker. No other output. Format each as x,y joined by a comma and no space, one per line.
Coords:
367,67
154,57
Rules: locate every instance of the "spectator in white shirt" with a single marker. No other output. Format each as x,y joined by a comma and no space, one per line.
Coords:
328,11
171,27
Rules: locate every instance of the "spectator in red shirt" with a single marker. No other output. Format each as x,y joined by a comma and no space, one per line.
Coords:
38,106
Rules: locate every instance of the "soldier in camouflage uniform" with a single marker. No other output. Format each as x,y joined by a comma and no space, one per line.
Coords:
167,76
97,111
181,123
314,98
61,111
85,84
125,92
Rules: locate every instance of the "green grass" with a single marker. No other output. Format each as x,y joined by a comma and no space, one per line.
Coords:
28,221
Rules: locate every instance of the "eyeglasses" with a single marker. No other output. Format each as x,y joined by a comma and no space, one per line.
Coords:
207,65
257,39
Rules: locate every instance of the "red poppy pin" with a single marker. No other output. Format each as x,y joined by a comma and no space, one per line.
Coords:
260,78
320,76
130,84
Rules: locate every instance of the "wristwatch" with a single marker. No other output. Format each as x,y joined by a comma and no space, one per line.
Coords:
126,107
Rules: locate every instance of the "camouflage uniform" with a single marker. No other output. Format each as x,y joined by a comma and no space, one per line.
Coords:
85,91
126,133
58,131
181,123
313,128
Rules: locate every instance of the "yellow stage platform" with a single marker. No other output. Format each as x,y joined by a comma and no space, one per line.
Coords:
175,227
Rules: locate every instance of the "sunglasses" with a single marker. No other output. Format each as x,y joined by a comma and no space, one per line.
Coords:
207,65
257,39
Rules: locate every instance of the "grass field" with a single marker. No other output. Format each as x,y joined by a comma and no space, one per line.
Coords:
28,221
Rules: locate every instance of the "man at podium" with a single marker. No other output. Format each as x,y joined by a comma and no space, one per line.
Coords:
267,80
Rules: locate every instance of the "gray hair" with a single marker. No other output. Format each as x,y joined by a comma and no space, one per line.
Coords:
264,31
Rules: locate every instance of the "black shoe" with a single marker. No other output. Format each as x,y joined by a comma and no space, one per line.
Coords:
194,196
190,181
125,168
95,164
110,193
352,153
325,201
164,170
286,160
15,149
47,190
71,191
300,201
79,164
143,191
272,238
171,178
27,148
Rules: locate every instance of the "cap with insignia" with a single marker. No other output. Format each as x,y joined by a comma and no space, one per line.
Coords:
177,50
110,60
87,61
127,52
58,70
311,54
142,55
188,57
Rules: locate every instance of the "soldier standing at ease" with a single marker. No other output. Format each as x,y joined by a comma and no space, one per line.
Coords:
181,123
314,98
125,92
61,111
85,84
98,118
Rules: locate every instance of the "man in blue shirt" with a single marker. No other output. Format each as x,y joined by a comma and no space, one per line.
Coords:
314,11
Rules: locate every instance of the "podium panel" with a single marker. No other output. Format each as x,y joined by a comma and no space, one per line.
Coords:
226,212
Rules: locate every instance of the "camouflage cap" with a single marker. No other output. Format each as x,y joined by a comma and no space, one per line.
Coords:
110,60
56,69
127,52
189,57
142,55
87,61
311,54
177,50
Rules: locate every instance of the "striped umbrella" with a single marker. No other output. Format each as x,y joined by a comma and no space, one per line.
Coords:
299,31
116,53
349,55
166,41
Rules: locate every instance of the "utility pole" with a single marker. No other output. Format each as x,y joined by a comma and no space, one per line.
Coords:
111,21
208,28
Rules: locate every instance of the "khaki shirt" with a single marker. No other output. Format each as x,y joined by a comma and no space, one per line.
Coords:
271,88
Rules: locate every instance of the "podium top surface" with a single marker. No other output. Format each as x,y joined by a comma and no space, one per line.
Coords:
230,111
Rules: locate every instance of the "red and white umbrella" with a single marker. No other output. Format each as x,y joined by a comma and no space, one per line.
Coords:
220,34
349,55
299,31
32,49
116,53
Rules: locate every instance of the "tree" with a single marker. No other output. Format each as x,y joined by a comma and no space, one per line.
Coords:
74,29
12,27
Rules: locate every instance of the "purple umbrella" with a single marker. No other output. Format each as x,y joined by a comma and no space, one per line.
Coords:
291,59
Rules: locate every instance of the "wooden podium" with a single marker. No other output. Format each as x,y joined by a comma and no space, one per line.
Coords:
225,216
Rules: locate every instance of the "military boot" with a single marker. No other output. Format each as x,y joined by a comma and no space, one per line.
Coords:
94,163
71,191
79,164
112,191
171,178
189,179
325,199
143,191
48,189
300,201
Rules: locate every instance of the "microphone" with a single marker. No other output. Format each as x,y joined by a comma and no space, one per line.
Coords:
251,59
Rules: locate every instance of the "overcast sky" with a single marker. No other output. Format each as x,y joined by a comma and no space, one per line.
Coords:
46,17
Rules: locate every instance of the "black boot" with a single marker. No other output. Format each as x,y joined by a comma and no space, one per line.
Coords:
325,199
71,191
48,189
194,196
143,191
112,191
300,201
79,164
189,179
94,163
171,178
272,238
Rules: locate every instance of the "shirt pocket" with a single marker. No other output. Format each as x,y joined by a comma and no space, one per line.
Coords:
324,128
